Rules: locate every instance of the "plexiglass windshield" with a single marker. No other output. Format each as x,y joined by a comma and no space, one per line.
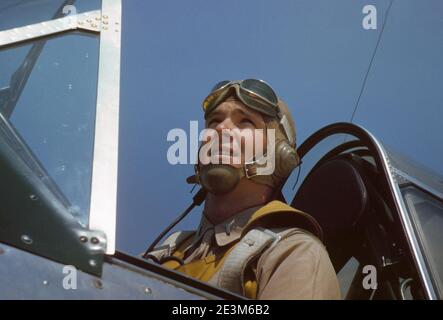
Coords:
48,95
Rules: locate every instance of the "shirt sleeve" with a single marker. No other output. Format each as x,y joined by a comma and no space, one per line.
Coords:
298,267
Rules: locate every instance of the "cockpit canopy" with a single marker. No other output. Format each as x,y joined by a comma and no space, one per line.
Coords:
59,101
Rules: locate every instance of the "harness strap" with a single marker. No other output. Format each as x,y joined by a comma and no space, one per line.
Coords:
171,243
231,274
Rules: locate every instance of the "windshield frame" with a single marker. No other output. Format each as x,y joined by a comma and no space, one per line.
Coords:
107,24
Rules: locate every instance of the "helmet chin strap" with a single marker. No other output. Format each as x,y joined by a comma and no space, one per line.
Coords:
249,169
223,178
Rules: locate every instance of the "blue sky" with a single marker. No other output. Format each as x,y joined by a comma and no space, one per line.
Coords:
314,53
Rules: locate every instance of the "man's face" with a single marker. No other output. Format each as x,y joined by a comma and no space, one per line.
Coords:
242,123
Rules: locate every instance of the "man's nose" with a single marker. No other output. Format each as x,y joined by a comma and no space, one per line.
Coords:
226,124
225,131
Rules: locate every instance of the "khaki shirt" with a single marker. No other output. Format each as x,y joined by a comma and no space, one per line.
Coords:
297,267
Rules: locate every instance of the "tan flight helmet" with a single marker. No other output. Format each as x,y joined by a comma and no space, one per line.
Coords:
286,157
223,178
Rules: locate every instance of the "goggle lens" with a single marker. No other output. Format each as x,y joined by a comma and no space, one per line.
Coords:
220,85
258,90
261,89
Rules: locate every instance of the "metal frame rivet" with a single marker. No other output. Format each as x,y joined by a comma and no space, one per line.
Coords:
97,283
95,240
26,239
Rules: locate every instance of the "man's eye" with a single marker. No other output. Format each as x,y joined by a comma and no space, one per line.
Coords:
213,122
247,122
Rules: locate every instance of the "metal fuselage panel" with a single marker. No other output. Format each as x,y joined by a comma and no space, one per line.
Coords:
24,275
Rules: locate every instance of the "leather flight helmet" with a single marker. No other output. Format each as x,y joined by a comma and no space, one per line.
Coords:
223,178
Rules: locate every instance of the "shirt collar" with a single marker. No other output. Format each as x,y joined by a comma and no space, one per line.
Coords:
228,230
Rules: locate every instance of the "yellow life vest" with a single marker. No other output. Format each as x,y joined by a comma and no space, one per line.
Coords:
233,268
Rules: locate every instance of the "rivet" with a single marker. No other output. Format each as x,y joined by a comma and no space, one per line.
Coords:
117,23
105,22
94,240
148,291
97,283
45,282
94,25
105,28
116,30
80,23
33,197
105,17
89,20
97,18
92,263
83,239
26,239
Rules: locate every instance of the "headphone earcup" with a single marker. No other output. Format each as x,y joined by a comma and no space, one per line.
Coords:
286,159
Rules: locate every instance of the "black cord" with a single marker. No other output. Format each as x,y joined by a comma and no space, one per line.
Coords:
298,175
371,61
173,258
197,200
152,257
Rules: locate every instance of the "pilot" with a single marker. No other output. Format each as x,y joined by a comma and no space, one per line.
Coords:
249,241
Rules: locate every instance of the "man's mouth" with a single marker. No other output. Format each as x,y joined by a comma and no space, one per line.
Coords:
224,153
227,152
